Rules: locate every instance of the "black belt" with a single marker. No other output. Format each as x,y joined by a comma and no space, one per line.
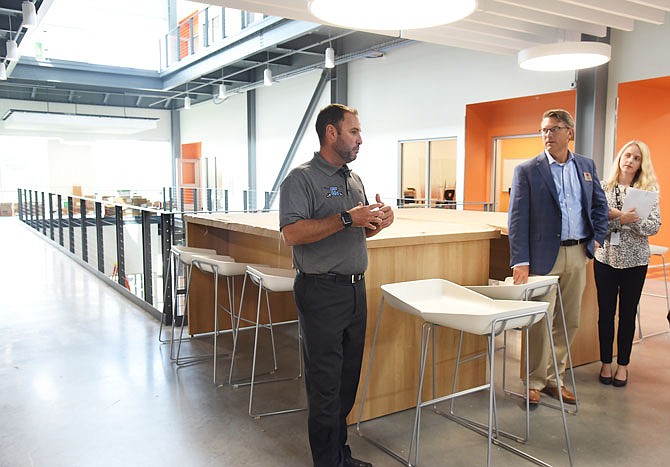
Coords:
572,242
331,276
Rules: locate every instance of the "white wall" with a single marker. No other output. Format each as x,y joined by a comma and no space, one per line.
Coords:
222,129
417,91
420,91
21,165
276,129
44,158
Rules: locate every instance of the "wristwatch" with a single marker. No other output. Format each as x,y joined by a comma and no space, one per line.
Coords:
346,219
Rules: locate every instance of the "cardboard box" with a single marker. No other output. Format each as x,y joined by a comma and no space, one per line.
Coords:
7,209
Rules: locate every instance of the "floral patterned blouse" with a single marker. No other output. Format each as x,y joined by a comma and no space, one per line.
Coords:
633,247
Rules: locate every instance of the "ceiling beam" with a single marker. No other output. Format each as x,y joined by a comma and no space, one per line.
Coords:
511,24
456,39
623,8
524,39
543,19
573,12
662,4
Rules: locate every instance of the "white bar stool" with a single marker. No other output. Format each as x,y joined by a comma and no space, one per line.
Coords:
268,280
186,258
536,287
174,271
179,269
660,251
225,266
442,303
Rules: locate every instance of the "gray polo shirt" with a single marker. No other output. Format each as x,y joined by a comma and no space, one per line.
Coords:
315,190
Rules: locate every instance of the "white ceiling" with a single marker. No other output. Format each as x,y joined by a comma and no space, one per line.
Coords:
503,26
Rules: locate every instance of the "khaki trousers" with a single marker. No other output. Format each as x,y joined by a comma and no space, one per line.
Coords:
570,266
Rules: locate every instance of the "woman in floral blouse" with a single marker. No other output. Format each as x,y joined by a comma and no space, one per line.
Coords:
620,266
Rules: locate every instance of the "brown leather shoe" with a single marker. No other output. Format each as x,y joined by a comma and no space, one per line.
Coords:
568,397
533,396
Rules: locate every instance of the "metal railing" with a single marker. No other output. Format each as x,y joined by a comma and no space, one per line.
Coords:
125,244
202,30
485,206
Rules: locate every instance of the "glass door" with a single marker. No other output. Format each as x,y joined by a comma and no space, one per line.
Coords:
428,173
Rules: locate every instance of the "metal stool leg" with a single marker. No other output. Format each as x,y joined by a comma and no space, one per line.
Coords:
185,314
274,357
236,331
667,305
167,276
569,365
366,384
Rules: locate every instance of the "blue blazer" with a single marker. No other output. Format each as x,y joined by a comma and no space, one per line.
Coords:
534,219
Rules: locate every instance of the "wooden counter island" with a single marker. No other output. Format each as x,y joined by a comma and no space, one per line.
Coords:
460,246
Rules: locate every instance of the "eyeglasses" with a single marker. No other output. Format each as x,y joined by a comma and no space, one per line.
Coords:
552,130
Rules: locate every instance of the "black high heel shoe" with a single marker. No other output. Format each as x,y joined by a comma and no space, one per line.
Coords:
619,383
604,379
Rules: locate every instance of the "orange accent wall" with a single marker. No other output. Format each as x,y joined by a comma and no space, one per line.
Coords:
191,150
188,174
643,114
487,120
520,149
185,33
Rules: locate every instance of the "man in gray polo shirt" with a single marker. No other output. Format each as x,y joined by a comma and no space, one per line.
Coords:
324,215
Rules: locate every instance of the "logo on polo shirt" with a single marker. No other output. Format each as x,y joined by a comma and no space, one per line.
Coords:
333,191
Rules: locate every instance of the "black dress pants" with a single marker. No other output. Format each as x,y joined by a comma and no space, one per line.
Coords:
627,285
333,319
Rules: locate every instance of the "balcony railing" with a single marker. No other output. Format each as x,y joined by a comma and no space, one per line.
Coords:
201,30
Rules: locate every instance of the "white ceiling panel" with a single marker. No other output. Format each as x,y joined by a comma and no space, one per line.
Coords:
504,26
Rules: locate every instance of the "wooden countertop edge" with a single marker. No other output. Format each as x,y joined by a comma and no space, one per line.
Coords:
419,239
487,232
233,226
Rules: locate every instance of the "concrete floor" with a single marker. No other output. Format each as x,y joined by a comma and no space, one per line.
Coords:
84,382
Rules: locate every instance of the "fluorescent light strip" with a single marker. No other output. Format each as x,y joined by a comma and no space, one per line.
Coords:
84,123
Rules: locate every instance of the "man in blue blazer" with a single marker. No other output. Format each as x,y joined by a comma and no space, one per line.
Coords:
557,217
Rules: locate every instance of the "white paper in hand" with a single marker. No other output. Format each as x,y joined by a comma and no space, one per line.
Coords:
641,200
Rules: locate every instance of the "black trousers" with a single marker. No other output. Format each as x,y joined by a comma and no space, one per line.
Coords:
627,285
333,319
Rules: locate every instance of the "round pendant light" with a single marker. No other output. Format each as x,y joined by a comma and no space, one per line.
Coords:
563,56
391,14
